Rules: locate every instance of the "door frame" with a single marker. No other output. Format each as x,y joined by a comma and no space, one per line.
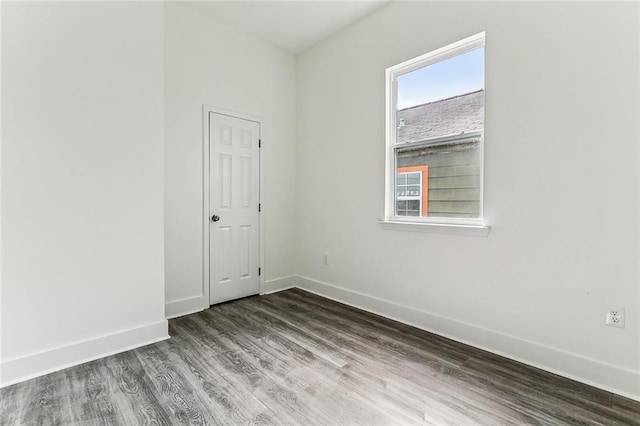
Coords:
206,110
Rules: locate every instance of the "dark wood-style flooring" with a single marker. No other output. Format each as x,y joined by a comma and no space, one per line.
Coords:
294,358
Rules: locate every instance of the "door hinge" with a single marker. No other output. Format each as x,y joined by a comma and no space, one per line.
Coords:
259,207
259,143
259,271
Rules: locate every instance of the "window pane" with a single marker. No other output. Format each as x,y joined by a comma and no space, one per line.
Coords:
408,208
453,177
413,190
463,73
413,178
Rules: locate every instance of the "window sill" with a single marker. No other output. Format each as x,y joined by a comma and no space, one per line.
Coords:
440,228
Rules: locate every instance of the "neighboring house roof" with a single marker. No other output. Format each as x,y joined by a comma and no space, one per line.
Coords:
451,116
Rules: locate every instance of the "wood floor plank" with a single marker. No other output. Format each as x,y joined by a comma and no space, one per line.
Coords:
320,347
367,334
374,382
176,388
294,367
11,399
439,347
553,398
90,385
626,410
133,392
294,358
360,347
45,401
226,401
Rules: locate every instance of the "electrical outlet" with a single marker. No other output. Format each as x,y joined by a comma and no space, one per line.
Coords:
325,259
615,316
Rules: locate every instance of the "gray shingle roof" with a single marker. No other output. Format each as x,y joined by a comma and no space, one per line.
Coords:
462,113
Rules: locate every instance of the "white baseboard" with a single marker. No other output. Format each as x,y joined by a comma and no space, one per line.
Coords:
186,306
279,284
195,304
38,364
605,376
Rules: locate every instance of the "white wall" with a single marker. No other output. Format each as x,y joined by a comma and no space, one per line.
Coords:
82,189
562,184
207,62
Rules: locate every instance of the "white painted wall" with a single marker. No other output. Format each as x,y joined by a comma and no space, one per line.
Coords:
207,62
82,189
562,183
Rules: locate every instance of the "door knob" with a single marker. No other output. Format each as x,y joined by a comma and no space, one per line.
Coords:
215,218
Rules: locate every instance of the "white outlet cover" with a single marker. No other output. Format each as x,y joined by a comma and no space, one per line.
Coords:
614,316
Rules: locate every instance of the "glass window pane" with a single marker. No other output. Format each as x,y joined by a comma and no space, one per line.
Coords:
463,73
413,190
452,174
413,178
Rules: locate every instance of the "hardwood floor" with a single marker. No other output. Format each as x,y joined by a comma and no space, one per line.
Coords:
297,359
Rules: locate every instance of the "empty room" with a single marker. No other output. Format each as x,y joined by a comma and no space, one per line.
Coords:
320,212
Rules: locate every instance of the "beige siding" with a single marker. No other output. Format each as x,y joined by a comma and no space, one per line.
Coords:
454,177
472,194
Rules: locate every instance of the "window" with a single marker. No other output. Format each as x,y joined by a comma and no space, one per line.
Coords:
409,194
435,136
411,191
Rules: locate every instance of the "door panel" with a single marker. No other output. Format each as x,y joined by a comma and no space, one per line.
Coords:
234,190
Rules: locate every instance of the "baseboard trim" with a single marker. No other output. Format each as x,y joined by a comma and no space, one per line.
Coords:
624,382
27,367
195,304
182,307
279,284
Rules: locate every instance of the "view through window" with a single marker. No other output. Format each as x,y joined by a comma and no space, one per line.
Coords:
437,140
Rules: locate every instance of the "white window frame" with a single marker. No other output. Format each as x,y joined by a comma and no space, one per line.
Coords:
392,74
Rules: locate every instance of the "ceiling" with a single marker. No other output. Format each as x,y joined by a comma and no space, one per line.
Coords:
292,25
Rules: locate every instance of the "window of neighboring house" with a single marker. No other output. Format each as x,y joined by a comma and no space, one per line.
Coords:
435,136
411,191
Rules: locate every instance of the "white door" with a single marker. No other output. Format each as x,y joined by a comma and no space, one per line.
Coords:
233,207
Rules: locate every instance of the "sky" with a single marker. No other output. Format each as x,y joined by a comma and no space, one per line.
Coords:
454,76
